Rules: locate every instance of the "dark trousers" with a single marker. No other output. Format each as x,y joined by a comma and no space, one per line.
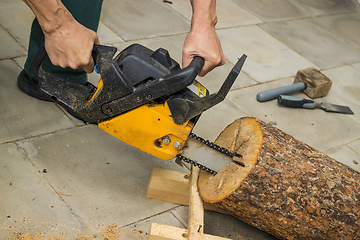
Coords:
87,13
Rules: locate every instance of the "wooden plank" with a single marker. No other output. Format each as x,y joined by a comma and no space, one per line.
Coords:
163,232
168,185
196,208
172,186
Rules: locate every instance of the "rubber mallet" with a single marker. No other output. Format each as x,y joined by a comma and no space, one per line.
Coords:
311,81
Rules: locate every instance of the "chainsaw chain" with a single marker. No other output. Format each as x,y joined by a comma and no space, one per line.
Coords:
207,143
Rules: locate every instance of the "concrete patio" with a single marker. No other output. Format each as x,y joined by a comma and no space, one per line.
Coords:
61,177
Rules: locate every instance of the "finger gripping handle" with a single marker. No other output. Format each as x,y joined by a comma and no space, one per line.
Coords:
189,73
182,78
39,58
197,64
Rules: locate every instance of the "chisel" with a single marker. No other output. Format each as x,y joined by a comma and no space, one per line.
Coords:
296,102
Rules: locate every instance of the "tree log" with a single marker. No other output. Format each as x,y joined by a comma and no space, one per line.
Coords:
287,188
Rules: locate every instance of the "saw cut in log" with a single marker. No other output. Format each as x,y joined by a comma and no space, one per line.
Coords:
286,188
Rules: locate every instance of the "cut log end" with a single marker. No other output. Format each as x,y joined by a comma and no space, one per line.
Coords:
243,137
287,188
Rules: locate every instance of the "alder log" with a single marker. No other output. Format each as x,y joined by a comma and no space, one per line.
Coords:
287,188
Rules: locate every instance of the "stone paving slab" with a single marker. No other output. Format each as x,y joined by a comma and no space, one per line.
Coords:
345,89
29,204
346,155
138,19
324,7
276,10
268,59
16,18
314,42
344,25
229,13
101,178
223,225
9,48
139,230
69,179
23,116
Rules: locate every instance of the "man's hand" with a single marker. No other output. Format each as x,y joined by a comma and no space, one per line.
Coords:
71,46
202,39
67,42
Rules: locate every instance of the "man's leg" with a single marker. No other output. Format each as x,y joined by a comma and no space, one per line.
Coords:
87,13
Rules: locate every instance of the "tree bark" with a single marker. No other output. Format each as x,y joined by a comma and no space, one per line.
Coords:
286,188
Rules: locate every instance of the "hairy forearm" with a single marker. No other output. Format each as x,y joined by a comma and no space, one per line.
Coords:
51,14
202,39
67,42
204,13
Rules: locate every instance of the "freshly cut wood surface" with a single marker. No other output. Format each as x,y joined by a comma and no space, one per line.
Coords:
243,137
286,188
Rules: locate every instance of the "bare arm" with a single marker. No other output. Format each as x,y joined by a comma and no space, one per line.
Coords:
67,42
202,39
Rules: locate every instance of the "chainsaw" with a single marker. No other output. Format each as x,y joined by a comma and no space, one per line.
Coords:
145,99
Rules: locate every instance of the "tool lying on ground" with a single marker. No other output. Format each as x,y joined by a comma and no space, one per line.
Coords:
311,81
145,99
296,102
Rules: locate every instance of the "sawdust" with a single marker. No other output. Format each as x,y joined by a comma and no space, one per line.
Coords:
27,236
19,230
111,232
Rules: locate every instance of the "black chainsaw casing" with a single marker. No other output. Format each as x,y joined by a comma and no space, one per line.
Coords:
136,76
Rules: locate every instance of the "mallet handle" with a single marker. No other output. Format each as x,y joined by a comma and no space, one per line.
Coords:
274,93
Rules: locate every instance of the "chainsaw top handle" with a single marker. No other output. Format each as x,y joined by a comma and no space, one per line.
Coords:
137,75
195,66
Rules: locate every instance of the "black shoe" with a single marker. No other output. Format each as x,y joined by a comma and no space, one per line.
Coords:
30,86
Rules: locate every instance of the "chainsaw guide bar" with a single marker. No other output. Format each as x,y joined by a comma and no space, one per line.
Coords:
220,156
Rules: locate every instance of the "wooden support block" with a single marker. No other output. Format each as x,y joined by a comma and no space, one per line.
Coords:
172,186
196,208
163,232
169,186
164,182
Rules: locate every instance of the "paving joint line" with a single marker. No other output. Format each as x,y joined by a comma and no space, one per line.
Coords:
54,189
41,135
152,216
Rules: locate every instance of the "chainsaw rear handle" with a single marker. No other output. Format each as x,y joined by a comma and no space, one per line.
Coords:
40,57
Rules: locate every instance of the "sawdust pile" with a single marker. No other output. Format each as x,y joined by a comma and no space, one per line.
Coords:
111,232
27,236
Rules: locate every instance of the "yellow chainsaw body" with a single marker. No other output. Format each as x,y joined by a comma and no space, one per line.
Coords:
151,129
116,106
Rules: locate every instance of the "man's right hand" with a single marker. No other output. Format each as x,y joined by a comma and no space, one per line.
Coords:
71,46
67,42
